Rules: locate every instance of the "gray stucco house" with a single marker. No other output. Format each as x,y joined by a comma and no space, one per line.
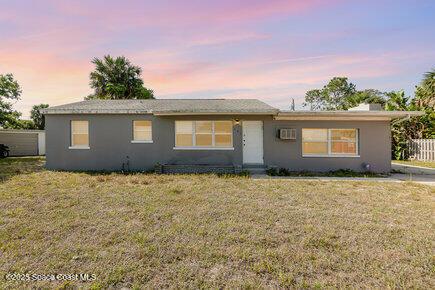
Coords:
215,135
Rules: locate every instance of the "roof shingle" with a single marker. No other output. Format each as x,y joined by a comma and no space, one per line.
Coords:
165,107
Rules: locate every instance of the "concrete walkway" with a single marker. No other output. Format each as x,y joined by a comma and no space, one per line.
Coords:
397,177
412,169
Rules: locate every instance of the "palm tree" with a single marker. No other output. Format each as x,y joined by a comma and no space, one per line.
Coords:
425,92
117,78
397,101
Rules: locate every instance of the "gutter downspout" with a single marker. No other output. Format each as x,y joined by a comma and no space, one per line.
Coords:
401,120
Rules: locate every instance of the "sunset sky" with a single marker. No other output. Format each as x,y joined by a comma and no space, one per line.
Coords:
271,50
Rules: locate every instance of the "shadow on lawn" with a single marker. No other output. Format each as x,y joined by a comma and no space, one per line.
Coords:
12,166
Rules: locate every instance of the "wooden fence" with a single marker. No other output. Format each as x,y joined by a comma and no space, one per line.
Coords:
422,149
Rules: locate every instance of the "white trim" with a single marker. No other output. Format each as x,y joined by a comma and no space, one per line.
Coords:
213,135
146,130
203,148
330,141
345,115
332,118
141,141
335,155
41,143
72,134
79,147
260,141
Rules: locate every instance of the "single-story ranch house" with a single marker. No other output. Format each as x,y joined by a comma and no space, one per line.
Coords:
222,135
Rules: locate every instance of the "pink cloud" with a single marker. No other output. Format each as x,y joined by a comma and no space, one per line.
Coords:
142,13
185,47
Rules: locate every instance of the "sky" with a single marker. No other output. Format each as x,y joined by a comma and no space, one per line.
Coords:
273,50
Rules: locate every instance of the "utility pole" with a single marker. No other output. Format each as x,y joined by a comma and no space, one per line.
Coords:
292,107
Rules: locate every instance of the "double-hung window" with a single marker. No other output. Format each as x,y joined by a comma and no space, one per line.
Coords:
79,135
223,134
344,141
329,142
203,135
142,131
184,134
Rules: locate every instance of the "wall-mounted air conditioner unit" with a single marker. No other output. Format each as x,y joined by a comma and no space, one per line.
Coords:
287,134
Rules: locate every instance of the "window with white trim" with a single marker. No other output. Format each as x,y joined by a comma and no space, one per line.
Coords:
203,134
80,134
329,142
142,131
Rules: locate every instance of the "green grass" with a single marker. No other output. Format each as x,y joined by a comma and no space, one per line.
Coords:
20,165
204,231
429,164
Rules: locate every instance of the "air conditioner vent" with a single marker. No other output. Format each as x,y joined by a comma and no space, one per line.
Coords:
287,134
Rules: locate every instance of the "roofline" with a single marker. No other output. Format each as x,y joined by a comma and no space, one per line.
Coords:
93,112
213,113
278,115
21,131
161,113
346,115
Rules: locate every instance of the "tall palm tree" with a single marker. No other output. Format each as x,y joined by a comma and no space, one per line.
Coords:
117,78
425,92
397,101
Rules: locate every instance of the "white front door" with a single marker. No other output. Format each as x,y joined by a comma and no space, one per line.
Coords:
252,142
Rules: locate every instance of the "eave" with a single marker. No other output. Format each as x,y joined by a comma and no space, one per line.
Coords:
212,113
345,115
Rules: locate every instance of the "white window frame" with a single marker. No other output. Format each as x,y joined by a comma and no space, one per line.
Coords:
329,142
71,136
141,141
194,146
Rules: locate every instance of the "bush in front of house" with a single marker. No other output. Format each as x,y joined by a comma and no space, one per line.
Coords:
273,171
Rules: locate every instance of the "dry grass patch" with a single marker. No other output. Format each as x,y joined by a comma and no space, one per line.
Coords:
201,231
20,165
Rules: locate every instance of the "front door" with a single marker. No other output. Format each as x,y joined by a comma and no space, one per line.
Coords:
252,142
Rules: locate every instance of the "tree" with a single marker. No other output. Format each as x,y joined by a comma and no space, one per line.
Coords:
333,96
425,92
117,78
400,133
340,94
24,124
421,127
37,117
9,90
397,101
425,101
368,96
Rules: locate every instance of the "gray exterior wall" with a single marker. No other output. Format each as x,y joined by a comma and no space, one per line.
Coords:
374,146
110,144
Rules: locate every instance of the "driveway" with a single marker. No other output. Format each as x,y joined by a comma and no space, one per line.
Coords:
412,169
425,179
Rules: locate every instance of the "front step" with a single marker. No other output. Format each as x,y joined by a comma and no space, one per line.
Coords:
255,168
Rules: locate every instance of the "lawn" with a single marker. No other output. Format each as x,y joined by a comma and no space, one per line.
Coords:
430,164
202,231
